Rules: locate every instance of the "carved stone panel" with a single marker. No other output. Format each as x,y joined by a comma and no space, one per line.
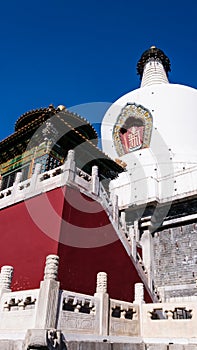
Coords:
70,322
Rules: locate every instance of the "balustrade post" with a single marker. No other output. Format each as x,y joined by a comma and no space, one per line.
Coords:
6,278
139,293
17,178
115,209
101,293
34,177
147,253
136,231
95,180
139,300
133,242
123,221
16,182
47,303
69,167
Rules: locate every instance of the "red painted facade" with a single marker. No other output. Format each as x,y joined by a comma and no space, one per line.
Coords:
67,223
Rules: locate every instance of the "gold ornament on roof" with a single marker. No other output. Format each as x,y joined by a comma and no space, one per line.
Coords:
61,107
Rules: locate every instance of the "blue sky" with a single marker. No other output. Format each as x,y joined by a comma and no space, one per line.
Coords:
71,53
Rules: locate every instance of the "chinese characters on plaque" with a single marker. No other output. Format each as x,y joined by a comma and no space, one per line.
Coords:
133,129
132,138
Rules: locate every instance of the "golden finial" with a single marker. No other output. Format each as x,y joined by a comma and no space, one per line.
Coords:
61,107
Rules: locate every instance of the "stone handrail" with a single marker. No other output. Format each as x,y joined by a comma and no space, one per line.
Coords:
111,207
169,319
78,302
81,314
78,312
105,198
24,184
6,192
83,174
83,179
51,173
124,318
49,309
67,173
40,182
18,309
19,300
141,264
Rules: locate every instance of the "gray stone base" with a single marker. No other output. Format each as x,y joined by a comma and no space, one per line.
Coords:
94,345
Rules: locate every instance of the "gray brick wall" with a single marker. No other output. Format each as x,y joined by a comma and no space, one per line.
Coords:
175,258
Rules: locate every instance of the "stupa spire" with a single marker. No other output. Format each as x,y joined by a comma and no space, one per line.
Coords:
153,67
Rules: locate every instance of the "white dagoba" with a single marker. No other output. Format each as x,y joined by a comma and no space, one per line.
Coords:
153,130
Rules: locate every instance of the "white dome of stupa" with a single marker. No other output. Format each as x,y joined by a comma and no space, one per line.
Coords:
153,128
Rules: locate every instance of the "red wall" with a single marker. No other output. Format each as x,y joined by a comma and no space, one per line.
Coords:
84,254
23,244
69,224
